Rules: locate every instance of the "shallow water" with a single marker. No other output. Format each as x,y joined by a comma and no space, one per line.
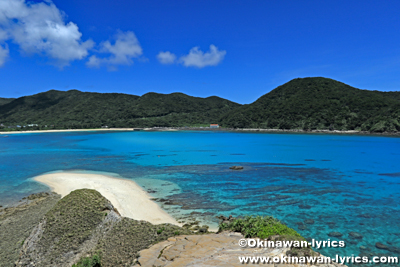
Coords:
315,183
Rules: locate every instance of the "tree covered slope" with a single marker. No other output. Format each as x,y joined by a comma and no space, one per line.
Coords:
303,103
75,109
319,103
4,101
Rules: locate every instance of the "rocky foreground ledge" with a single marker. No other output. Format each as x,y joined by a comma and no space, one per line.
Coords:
85,229
210,250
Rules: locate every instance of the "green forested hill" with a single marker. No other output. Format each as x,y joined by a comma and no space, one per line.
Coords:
319,103
4,101
304,103
75,109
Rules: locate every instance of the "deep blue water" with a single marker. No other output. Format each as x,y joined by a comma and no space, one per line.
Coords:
344,183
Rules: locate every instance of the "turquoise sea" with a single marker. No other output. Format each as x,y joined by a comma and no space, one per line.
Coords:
315,183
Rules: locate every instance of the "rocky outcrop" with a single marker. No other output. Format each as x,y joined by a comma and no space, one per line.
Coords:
17,222
85,224
207,250
69,231
226,220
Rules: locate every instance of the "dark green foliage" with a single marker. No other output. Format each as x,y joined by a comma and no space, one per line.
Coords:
4,101
94,261
304,104
75,109
319,103
261,227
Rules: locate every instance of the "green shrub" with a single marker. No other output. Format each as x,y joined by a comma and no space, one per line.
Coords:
261,227
93,261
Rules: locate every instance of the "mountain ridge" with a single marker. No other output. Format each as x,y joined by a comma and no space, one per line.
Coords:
319,103
313,103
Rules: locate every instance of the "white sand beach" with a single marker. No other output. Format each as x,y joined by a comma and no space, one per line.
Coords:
128,197
69,130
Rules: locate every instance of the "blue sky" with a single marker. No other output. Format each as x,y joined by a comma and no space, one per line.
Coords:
237,50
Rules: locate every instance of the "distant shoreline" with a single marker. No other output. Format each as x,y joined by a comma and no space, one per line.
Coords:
170,129
68,130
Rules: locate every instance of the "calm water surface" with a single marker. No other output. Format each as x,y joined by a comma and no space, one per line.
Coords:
316,184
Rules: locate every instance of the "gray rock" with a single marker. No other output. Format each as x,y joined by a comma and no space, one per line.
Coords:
309,221
335,234
302,227
236,168
355,235
381,246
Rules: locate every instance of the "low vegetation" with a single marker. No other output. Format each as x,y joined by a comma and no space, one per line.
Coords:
72,220
268,228
84,229
261,227
16,224
94,261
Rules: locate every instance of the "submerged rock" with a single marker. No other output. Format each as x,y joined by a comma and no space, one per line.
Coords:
302,227
306,207
381,246
236,168
309,221
355,235
335,234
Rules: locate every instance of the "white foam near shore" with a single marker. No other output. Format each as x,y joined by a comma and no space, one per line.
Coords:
129,198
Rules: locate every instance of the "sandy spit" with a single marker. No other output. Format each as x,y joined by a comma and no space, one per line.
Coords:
128,197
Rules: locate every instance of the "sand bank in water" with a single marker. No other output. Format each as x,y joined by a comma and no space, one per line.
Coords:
128,197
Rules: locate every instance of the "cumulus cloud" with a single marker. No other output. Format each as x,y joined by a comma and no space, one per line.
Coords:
199,59
3,54
3,48
93,62
166,57
125,48
40,28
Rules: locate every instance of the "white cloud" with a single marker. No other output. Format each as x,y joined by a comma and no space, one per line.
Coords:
122,52
3,48
166,57
3,54
197,58
40,28
93,62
